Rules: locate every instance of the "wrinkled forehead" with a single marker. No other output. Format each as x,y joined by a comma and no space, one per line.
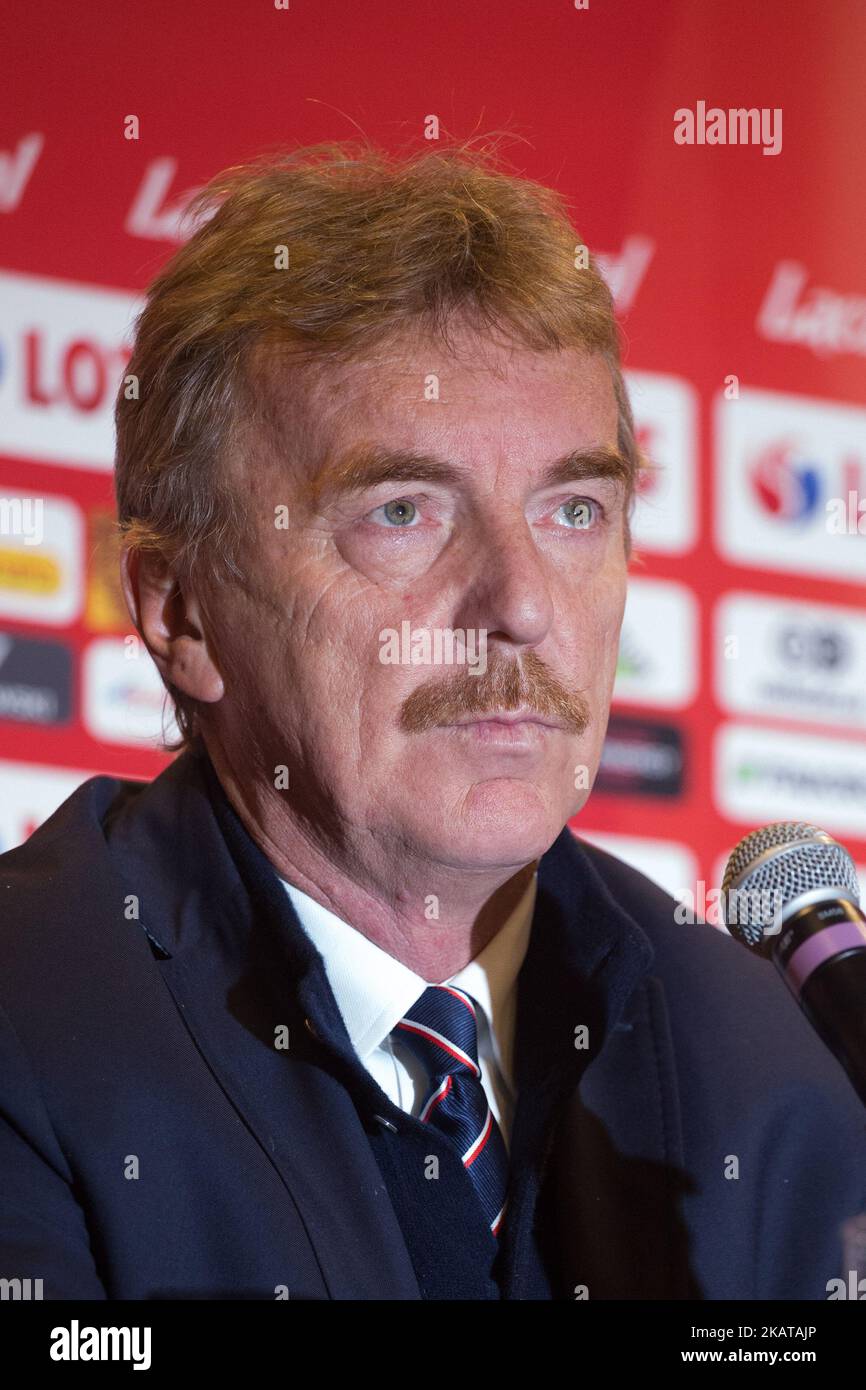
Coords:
301,411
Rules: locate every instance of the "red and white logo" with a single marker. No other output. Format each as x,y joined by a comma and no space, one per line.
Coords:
782,463
63,350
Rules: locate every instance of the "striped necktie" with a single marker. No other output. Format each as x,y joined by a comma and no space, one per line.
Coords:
441,1030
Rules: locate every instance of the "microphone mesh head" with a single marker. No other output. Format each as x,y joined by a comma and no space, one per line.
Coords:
774,865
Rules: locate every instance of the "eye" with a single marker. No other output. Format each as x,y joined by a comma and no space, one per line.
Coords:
579,512
400,512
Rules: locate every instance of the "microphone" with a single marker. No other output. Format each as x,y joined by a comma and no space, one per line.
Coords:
790,894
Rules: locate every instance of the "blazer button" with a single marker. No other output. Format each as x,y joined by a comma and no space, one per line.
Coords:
308,1024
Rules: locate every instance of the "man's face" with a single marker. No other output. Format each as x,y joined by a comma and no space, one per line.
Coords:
458,524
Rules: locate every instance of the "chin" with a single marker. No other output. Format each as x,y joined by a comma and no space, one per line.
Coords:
502,822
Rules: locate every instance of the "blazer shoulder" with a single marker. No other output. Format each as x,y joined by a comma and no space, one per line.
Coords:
80,833
50,881
112,838
79,818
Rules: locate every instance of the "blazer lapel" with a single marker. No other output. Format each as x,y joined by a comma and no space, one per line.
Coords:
616,1176
238,979
597,1127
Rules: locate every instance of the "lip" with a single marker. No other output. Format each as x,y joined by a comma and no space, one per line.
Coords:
509,719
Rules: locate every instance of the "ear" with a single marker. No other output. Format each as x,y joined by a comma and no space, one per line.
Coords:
170,623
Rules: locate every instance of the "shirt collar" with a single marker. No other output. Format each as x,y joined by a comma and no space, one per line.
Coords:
373,989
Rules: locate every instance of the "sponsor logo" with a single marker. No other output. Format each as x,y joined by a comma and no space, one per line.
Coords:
640,758
63,350
769,775
37,574
43,583
791,660
665,413
658,645
35,680
779,458
124,700
785,485
823,320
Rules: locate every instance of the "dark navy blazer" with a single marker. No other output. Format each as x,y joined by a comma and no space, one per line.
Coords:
156,1143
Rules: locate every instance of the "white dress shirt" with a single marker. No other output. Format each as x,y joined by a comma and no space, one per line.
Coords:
373,991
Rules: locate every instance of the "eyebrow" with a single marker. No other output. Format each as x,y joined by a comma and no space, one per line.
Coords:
366,466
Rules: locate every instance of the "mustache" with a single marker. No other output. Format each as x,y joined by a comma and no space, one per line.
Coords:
504,685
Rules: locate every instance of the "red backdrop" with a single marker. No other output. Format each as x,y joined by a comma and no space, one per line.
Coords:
739,282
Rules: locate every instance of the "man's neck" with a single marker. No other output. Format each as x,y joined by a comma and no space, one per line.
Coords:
434,949
434,918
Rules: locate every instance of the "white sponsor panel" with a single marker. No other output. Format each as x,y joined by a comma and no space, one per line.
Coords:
41,557
671,865
790,659
124,700
29,794
665,413
658,649
63,350
764,775
783,465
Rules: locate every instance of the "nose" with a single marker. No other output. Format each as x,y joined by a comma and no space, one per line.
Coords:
510,591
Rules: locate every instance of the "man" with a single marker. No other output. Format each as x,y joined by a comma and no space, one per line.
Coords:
338,1006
